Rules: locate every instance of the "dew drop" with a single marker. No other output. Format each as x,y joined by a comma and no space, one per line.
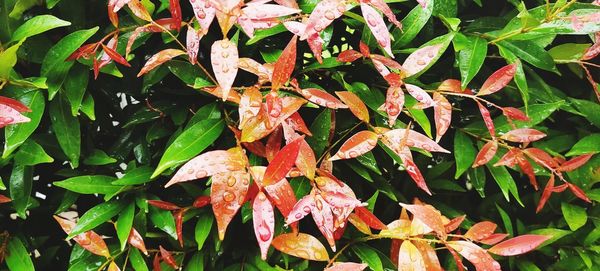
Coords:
231,181
201,174
372,20
264,233
329,15
225,54
306,209
228,196
190,171
421,62
225,68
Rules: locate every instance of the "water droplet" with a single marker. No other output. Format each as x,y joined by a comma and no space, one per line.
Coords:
329,15
228,196
231,181
225,54
372,20
201,174
306,209
201,14
225,68
421,62
224,44
262,197
341,8
190,171
264,233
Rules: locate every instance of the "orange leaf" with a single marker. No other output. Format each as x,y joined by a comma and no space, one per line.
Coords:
264,222
250,104
113,267
357,145
356,105
4,199
250,65
136,240
545,194
442,114
579,193
179,225
453,85
349,56
527,168
575,163
273,144
168,258
510,158
298,124
163,205
201,201
430,258
160,58
409,257
228,192
282,71
359,224
486,153
429,216
378,27
364,49
256,127
518,245
224,60
475,254
523,135
301,245
480,230
347,267
282,162
139,10
494,238
282,196
454,223
210,163
88,240
419,59
306,161
498,80
514,113
322,98
372,221
487,119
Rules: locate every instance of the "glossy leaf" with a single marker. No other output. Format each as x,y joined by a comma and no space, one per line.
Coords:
322,16
409,257
413,139
471,58
475,254
224,59
523,135
160,58
301,245
355,104
442,114
264,222
498,80
420,59
480,231
96,216
429,216
359,144
282,162
282,71
89,240
228,192
346,267
378,27
322,98
518,245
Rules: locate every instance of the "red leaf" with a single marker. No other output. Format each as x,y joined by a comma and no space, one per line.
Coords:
355,104
395,250
297,123
264,222
168,258
575,163
282,196
476,255
156,263
250,104
486,153
523,135
541,157
84,51
357,145
224,60
442,114
306,161
519,245
349,56
498,80
420,95
322,98
192,43
282,71
454,223
487,119
273,144
578,192
175,10
323,217
413,139
365,215
323,15
256,127
378,27
179,225
347,267
88,240
453,85
364,49
210,163
4,199
228,192
526,167
432,263
282,162
394,102
480,230
510,158
412,170
409,257
136,240
545,194
429,216
14,104
159,58
514,113
163,205
420,59
301,245
494,238
457,259
201,201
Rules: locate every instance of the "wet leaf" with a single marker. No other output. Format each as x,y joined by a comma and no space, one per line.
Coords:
228,191
224,59
480,231
523,135
359,144
475,254
282,162
420,59
518,245
498,80
442,114
355,104
160,58
409,257
322,98
264,222
301,245
282,71
378,27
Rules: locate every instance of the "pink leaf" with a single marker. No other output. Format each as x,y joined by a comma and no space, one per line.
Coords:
486,153
386,61
250,65
412,170
210,163
322,98
378,27
323,217
481,230
323,15
204,12
420,95
414,139
282,196
192,43
442,114
301,209
359,144
498,80
268,11
224,60
380,67
264,223
476,255
487,119
382,6
347,267
519,245
523,135
394,101
420,59
9,115
159,58
427,214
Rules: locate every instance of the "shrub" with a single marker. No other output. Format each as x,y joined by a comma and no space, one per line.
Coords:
201,134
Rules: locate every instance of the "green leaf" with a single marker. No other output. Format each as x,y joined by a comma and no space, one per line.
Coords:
15,135
87,106
444,41
97,215
506,220
464,153
320,132
586,145
36,25
138,175
588,109
137,260
554,233
532,53
477,178
66,129
504,180
265,33
54,66
22,6
31,153
519,77
575,216
187,72
98,158
568,52
411,25
209,111
8,59
17,258
163,220
196,263
190,143
124,224
90,184
471,58
203,227
75,87
368,255
21,183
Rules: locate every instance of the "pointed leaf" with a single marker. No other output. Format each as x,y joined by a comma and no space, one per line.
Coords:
282,162
394,102
442,114
486,153
545,194
322,98
523,135
355,104
301,245
264,223
518,245
476,255
323,15
378,27
420,95
263,11
224,59
282,71
372,221
419,59
359,144
429,216
575,163
349,56
160,58
487,119
409,257
204,12
282,196
228,191
480,230
413,139
347,267
89,240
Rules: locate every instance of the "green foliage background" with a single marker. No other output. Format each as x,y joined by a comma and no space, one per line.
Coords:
86,133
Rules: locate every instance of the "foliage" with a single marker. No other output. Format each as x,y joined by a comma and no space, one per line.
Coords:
200,134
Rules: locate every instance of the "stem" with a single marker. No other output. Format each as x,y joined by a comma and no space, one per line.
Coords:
338,141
